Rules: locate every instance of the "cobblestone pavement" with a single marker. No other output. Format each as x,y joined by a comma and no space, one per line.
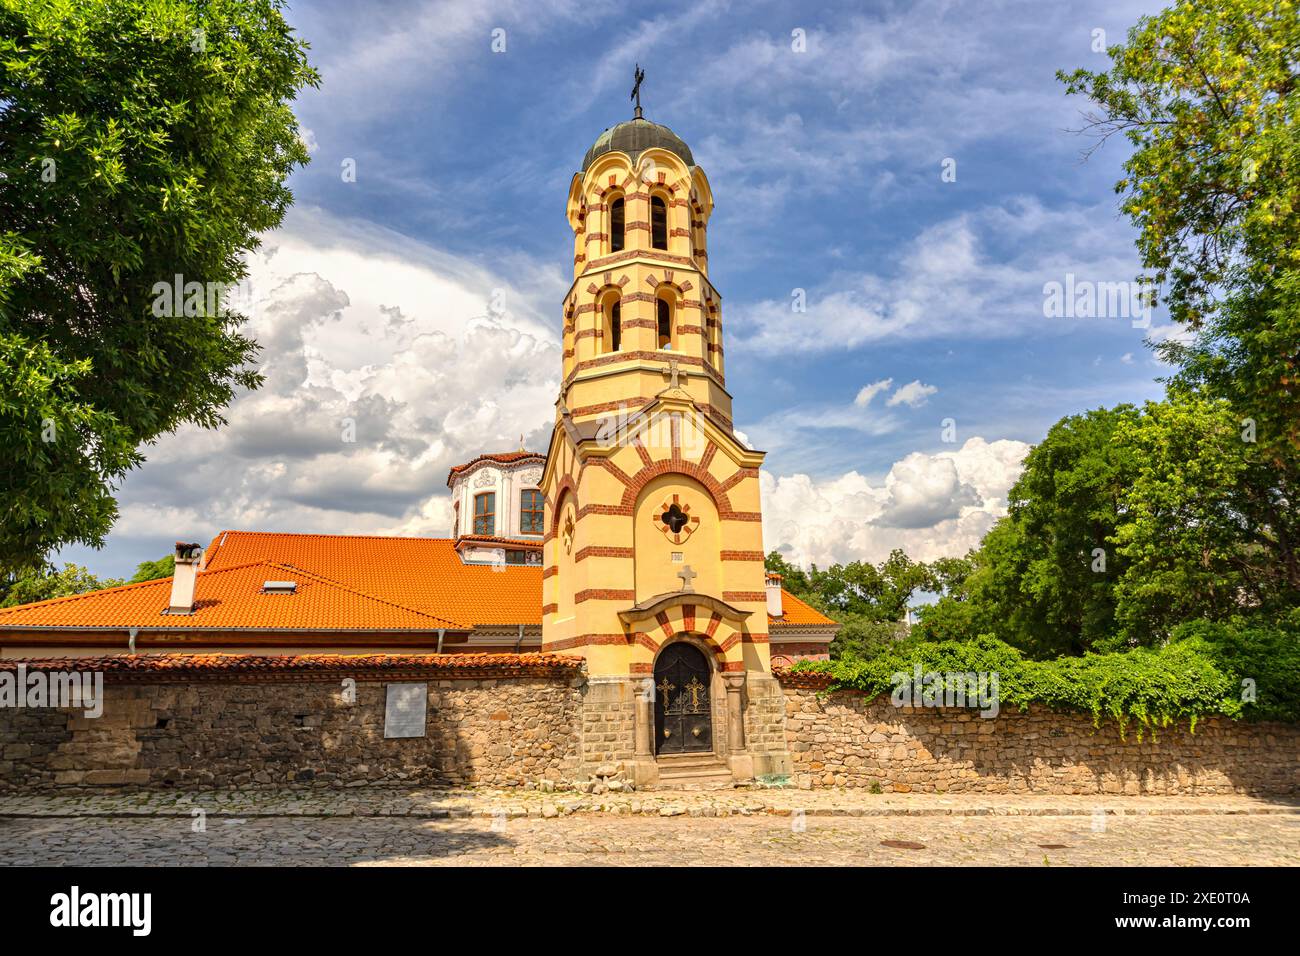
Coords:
363,827
391,802
609,839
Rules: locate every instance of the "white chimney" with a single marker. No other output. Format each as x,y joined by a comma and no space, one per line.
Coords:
187,572
774,595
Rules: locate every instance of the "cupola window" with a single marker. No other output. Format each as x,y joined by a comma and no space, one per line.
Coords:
485,519
530,512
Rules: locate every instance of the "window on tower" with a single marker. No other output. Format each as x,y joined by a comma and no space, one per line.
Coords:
664,321
614,323
616,225
530,512
658,222
485,518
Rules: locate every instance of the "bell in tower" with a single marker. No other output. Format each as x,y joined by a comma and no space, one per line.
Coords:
653,554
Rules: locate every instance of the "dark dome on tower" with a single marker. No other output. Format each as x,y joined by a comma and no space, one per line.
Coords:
634,137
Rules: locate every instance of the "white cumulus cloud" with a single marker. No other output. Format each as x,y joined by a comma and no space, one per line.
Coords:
930,505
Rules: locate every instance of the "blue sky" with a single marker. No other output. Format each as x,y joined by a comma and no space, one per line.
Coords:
924,296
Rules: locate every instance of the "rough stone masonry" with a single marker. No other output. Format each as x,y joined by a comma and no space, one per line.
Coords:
523,718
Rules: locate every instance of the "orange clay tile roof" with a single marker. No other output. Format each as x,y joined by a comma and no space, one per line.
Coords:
230,598
421,573
798,613
345,583
190,665
504,458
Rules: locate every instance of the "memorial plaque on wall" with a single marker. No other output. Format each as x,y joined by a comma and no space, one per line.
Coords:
404,710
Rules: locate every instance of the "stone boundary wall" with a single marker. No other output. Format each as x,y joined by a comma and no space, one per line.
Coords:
843,739
205,721
515,719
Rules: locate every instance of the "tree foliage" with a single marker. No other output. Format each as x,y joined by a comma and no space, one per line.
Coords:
1198,676
869,602
140,140
47,583
164,567
1205,94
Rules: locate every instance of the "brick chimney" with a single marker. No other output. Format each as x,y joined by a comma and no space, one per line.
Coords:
774,595
187,572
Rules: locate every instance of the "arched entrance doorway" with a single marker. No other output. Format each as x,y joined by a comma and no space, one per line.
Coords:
683,709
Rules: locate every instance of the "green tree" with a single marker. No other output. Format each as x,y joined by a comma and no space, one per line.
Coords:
164,567
1204,93
1207,532
47,583
1045,575
140,140
868,601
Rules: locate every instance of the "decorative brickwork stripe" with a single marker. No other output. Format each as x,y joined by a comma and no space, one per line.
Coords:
593,551
667,627
707,458
740,475
613,469
603,510
604,594
609,406
586,640
742,555
733,596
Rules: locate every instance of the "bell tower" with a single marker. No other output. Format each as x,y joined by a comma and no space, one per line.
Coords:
653,553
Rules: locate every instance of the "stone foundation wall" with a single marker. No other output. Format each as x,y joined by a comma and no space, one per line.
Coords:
608,722
765,726
843,739
504,731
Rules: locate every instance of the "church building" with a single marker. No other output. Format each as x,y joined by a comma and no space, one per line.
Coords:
635,542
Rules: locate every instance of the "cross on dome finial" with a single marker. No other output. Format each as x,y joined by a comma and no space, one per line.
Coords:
638,75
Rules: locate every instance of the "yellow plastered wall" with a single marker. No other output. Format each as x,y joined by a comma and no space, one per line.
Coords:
698,545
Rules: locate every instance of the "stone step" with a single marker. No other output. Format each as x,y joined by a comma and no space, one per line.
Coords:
708,759
694,772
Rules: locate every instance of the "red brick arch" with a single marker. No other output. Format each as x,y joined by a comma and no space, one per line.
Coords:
567,484
676,466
